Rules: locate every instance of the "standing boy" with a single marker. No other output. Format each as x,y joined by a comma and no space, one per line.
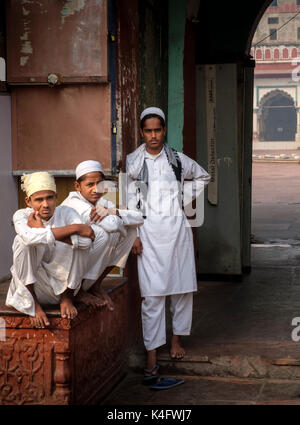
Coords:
166,263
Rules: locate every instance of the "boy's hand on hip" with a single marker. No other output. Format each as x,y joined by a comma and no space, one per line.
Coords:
137,247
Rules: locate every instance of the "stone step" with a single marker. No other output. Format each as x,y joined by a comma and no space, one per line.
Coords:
259,361
207,390
233,366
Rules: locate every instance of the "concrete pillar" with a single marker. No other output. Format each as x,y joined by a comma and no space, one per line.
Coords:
219,239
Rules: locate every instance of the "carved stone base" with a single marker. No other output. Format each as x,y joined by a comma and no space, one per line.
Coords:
72,361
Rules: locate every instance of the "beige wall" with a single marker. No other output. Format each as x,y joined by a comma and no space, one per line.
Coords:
286,10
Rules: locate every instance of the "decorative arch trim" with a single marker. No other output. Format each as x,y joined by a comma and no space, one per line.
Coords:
275,92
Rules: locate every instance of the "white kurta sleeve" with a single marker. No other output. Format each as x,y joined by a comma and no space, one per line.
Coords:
131,194
192,170
72,217
198,177
31,236
131,218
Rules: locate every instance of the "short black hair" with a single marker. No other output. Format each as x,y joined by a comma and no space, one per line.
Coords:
146,117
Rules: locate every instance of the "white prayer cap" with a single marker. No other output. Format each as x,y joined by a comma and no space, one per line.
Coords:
88,167
153,110
36,182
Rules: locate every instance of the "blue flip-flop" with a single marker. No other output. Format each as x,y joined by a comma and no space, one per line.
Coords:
166,383
153,375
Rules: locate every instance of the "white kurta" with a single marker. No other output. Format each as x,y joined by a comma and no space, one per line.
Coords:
52,266
83,207
167,264
109,248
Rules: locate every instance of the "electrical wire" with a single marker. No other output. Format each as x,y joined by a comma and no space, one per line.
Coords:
277,29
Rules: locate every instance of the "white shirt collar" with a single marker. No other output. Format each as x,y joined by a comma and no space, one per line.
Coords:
149,156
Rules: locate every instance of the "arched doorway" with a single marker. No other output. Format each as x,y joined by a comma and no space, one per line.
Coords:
278,117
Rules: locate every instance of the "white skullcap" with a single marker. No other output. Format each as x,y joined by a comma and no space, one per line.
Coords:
88,167
153,110
36,182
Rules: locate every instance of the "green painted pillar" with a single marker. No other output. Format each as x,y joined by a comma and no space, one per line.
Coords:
177,14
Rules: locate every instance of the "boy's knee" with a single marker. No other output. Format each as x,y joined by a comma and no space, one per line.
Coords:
101,236
111,223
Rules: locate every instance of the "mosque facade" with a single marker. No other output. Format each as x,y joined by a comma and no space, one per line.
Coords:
276,50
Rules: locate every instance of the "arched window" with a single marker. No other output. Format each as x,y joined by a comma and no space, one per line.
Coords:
278,117
285,53
294,52
276,54
267,54
258,54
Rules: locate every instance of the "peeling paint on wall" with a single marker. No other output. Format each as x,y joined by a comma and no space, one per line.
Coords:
70,7
27,47
23,60
35,29
25,12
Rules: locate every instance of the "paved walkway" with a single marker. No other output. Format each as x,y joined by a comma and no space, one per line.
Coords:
241,349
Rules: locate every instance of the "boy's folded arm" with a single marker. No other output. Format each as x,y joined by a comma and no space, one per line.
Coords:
31,235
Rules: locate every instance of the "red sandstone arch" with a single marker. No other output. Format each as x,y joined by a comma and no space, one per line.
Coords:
285,53
267,54
294,52
258,54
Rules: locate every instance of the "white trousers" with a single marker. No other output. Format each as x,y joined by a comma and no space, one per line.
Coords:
108,249
50,270
154,318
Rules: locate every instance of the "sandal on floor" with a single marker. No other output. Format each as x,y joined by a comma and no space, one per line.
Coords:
153,375
166,383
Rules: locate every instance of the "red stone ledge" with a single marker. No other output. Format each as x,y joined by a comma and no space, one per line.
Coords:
72,361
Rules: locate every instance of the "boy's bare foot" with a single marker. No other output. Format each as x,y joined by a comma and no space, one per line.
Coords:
40,320
98,292
90,299
177,351
67,308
